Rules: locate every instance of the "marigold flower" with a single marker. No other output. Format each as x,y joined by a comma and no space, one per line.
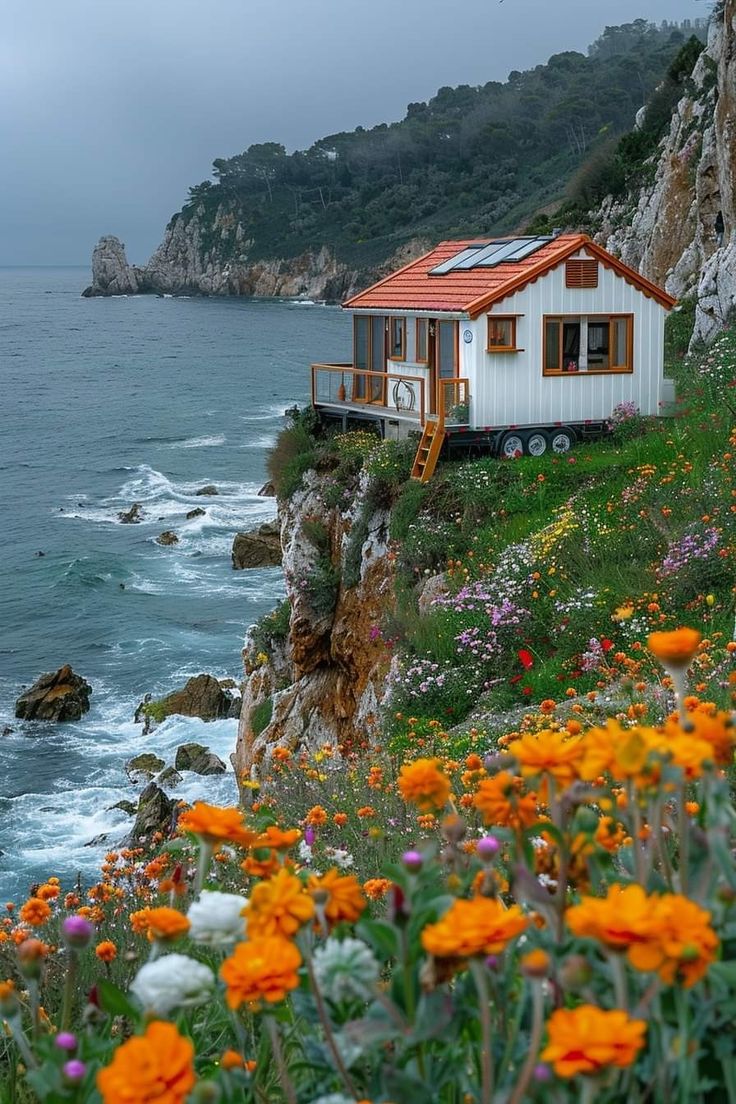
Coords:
501,801
317,816
716,729
482,925
259,969
232,1060
139,921
549,752
106,951
277,838
154,1068
344,897
278,907
676,648
48,892
587,1040
423,783
376,888
166,924
340,819
366,812
216,825
35,912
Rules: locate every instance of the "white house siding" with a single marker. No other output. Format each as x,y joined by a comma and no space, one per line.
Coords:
409,366
509,388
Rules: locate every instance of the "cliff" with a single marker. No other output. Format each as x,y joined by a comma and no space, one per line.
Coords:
679,229
322,682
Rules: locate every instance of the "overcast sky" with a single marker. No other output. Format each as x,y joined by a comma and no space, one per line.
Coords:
111,109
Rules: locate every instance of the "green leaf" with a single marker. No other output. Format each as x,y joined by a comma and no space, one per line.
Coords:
381,935
115,1002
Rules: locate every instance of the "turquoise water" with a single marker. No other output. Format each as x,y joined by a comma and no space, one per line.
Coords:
106,402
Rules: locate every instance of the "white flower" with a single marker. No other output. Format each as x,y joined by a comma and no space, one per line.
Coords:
305,852
345,969
216,918
340,857
173,981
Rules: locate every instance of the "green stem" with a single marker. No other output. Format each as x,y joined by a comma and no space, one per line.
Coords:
683,831
618,971
203,864
683,1063
69,986
324,1019
286,1083
478,971
16,1030
535,1039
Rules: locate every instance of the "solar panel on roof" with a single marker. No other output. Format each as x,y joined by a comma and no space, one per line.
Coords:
490,254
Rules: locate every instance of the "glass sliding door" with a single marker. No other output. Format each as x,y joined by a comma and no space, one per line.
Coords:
378,358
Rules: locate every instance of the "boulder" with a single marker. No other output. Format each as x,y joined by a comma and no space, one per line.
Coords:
199,759
209,489
202,696
111,273
61,696
196,512
97,841
167,537
169,777
132,516
142,768
430,590
260,547
267,490
155,814
127,807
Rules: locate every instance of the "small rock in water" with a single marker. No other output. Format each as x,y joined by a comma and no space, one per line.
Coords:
155,814
58,696
40,553
209,489
128,807
267,490
97,840
169,777
201,696
142,768
260,547
199,759
132,516
167,537
196,512
8,731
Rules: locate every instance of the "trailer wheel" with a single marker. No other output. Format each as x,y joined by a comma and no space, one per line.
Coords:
536,443
512,445
562,440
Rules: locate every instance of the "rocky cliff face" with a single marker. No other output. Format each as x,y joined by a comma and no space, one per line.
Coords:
680,230
208,254
325,682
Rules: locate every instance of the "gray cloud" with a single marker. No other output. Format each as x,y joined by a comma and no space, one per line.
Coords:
109,111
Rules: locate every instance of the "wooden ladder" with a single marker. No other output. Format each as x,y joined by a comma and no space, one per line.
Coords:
429,449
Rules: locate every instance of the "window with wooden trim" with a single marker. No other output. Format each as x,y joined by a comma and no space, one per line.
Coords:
501,335
588,344
422,334
581,273
397,339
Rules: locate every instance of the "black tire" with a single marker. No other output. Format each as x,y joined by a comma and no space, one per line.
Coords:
561,440
536,442
511,445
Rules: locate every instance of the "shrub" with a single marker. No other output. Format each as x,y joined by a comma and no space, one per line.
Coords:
260,716
273,627
353,555
317,534
322,586
292,455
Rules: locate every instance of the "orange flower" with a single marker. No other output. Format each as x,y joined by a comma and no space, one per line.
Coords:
548,752
316,816
139,921
232,1060
154,1068
106,951
501,801
278,907
366,812
624,753
216,825
716,729
676,648
482,925
340,819
261,969
587,1040
166,924
277,838
264,867
35,912
339,895
423,783
48,892
376,888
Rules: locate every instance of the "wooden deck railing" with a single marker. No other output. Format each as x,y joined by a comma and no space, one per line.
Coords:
342,385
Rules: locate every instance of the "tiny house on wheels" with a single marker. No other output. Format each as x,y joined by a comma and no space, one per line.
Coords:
510,345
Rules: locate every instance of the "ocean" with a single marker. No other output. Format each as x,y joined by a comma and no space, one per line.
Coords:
106,402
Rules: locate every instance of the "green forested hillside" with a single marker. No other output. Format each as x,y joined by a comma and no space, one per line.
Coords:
472,160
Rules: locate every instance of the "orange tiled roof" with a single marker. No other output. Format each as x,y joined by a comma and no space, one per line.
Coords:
475,289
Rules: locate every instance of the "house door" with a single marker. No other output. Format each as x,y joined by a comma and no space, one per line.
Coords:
379,338
432,364
446,361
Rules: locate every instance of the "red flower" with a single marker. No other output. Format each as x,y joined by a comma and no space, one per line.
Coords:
606,644
525,658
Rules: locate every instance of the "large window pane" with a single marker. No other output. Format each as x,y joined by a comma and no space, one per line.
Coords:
398,338
552,346
360,331
422,329
447,351
620,343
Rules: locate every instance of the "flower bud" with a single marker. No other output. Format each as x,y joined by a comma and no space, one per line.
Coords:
536,964
73,1071
66,1041
542,1073
205,1092
309,835
412,860
8,1000
487,848
31,954
77,932
575,973
453,828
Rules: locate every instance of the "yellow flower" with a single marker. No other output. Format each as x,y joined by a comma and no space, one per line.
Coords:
423,783
587,1040
548,752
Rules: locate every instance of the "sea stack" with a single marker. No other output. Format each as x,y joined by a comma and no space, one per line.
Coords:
111,273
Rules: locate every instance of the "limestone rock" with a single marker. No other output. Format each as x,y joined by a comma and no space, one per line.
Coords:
208,489
61,696
170,778
267,490
167,537
433,587
155,814
199,759
111,273
202,696
260,547
195,513
127,807
142,768
132,516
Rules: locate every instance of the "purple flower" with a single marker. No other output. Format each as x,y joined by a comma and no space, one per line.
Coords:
66,1041
74,1071
77,931
309,835
487,848
412,860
